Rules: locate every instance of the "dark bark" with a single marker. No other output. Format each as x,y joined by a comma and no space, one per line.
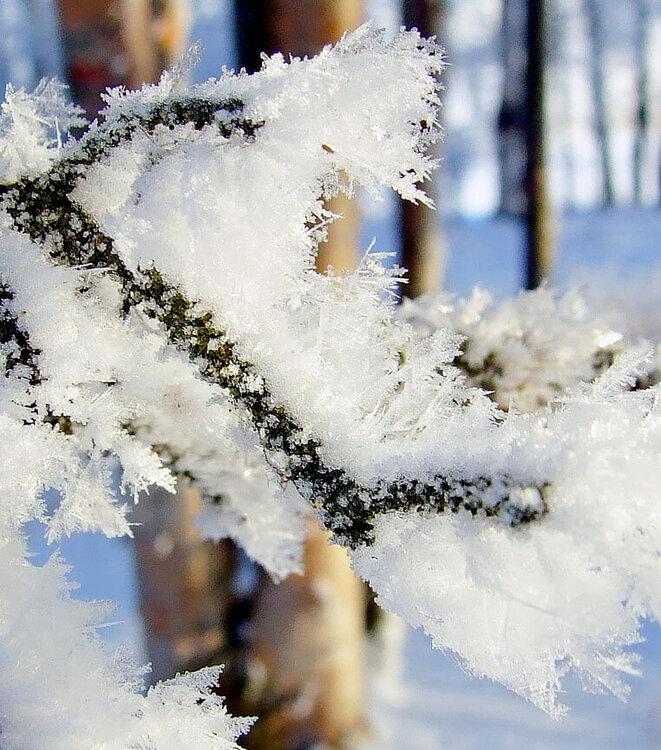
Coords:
423,247
511,118
539,219
251,33
290,27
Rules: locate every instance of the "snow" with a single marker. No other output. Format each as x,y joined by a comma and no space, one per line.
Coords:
613,256
31,125
50,700
521,605
436,704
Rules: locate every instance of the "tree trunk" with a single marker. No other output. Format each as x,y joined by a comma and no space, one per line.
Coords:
291,27
186,591
156,34
304,665
422,241
119,42
539,219
643,124
511,118
599,91
94,55
143,60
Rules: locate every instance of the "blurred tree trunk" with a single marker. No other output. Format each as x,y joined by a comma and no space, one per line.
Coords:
422,241
186,584
291,27
119,42
304,664
511,117
94,55
539,215
643,124
139,43
600,104
187,597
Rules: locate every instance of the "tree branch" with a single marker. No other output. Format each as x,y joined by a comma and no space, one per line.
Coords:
43,209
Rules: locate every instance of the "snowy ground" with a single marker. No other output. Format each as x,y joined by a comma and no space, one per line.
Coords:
436,706
440,708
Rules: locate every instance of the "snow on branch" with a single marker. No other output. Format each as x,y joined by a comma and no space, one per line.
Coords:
159,305
45,208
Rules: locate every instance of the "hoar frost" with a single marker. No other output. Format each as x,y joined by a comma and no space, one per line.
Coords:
60,690
161,308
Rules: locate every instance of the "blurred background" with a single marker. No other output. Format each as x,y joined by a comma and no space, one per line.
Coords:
550,169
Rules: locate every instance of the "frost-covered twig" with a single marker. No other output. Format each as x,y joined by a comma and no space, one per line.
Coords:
43,208
524,352
160,293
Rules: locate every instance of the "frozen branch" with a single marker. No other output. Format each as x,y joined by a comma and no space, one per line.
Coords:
43,208
159,305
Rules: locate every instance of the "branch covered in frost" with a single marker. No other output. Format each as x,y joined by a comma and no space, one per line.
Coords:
525,352
159,294
43,208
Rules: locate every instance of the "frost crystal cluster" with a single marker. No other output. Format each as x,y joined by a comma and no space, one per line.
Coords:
160,309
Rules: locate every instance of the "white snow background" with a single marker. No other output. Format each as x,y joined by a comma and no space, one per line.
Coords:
613,254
